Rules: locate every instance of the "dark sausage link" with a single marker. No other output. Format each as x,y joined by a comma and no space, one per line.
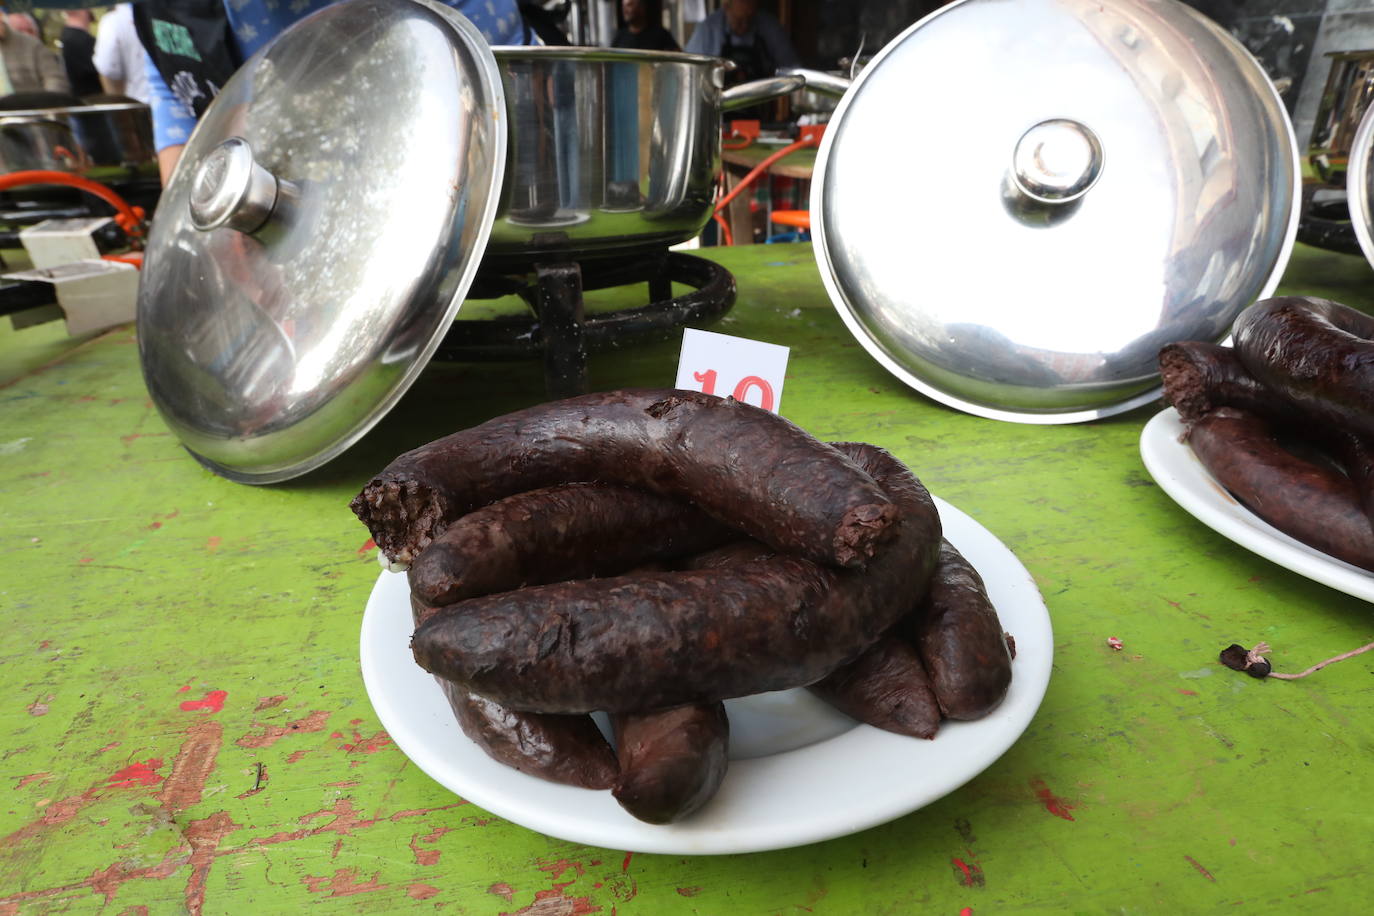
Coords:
565,749
1316,505
671,761
887,687
1315,353
743,465
1199,377
656,640
573,531
960,639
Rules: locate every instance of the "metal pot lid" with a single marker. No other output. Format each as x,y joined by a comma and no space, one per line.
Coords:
1017,204
1359,184
319,234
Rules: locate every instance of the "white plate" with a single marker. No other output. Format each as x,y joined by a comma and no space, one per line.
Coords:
1181,475
799,771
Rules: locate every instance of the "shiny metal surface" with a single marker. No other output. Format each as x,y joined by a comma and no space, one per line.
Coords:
269,354
94,141
1056,161
1359,184
610,149
230,189
1003,307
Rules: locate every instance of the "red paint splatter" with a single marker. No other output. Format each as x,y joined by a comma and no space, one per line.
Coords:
1187,693
184,689
1054,805
137,774
155,525
966,911
366,745
33,777
274,733
689,891
556,868
214,701
555,901
368,545
625,866
212,544
109,747
84,560
38,708
343,883
421,891
970,874
1200,870
295,757
502,889
45,644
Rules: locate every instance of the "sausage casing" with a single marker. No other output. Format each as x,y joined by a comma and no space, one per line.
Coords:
665,639
960,639
743,465
571,531
671,761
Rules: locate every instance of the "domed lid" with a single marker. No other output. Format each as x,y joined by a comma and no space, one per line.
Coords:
1017,204
319,234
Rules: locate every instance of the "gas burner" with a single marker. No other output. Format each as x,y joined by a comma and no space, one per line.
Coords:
562,334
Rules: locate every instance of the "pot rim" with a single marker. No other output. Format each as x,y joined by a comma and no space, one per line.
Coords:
102,108
606,55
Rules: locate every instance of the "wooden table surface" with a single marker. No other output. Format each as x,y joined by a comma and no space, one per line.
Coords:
186,728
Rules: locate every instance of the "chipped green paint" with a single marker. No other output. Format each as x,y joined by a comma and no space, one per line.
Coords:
185,728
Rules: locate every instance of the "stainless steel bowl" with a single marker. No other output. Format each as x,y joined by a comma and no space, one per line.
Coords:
1017,204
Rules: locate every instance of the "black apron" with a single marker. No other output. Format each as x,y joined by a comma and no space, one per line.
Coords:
752,62
191,45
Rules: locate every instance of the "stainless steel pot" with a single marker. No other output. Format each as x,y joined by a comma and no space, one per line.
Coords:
335,201
93,141
610,148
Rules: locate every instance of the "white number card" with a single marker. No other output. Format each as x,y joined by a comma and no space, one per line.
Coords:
747,370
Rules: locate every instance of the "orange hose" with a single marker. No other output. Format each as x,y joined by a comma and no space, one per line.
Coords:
130,219
761,168
726,236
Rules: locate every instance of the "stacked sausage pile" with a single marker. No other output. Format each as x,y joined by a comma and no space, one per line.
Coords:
652,553
1284,420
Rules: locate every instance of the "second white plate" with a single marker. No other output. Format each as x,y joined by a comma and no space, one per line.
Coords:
1181,475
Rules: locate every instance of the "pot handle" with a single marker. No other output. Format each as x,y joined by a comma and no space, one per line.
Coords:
819,80
759,91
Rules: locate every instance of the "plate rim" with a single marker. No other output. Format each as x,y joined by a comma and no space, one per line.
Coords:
544,807
1188,483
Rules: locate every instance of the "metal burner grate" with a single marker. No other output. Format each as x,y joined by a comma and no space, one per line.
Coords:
561,333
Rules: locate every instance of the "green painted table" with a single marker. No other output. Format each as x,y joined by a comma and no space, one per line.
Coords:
185,727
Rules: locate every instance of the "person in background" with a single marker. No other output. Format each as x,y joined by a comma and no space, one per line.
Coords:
642,27
78,48
119,57
25,23
27,64
194,46
752,38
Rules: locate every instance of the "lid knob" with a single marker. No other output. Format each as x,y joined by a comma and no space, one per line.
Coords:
230,189
1057,161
